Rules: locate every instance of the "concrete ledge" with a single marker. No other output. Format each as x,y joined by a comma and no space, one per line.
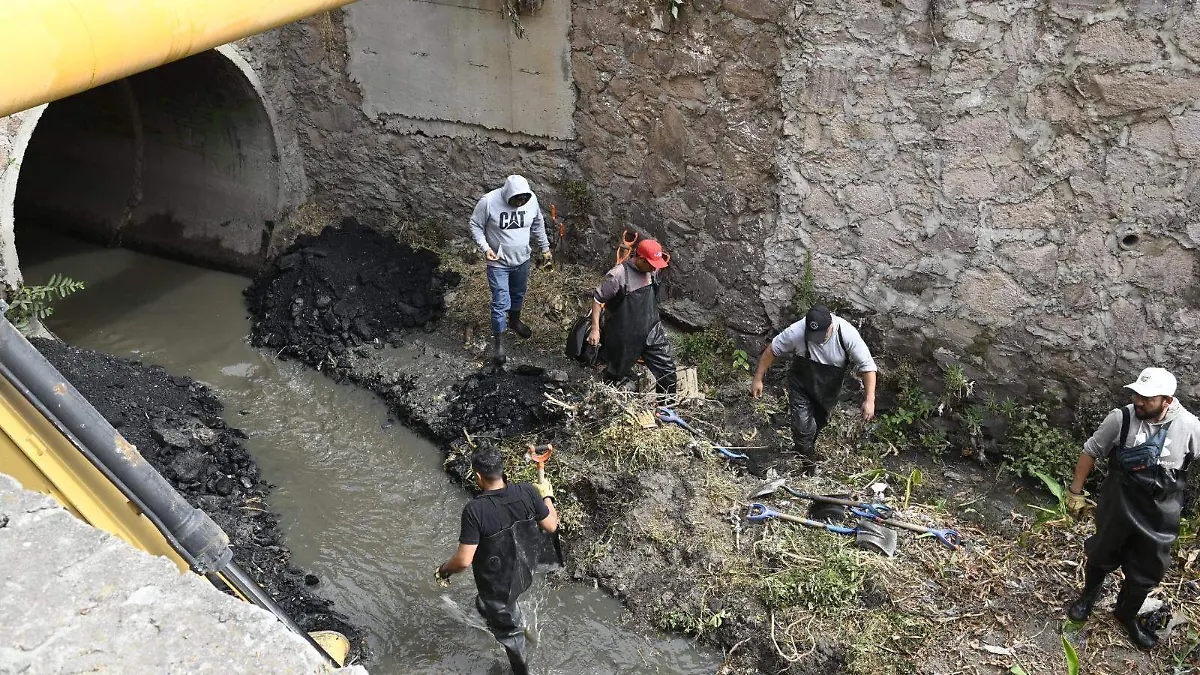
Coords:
76,599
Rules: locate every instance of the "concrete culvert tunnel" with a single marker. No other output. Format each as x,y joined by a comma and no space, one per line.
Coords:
179,161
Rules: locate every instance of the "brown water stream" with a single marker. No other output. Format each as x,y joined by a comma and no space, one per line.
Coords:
365,503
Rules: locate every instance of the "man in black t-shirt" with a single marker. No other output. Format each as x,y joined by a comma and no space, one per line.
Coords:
498,540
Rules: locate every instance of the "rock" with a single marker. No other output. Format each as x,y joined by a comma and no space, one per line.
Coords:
169,435
311,580
323,301
204,436
189,466
559,376
225,486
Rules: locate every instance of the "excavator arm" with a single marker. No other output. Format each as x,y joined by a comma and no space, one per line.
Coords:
53,441
50,49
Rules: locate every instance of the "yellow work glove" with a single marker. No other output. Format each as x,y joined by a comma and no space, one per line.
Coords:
544,488
1076,503
442,580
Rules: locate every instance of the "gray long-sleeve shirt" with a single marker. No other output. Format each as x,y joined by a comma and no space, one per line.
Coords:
830,352
505,229
1183,436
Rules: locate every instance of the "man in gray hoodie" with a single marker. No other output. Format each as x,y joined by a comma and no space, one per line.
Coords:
1149,445
501,224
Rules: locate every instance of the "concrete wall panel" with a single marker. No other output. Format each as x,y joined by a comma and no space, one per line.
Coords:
459,61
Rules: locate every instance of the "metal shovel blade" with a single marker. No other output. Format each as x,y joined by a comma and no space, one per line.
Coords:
766,488
871,535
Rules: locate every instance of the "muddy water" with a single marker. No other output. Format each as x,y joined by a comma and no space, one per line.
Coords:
365,503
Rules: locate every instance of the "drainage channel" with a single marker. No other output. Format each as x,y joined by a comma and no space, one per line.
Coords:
364,502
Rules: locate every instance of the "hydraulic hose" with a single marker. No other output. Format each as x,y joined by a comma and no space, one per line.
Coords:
203,542
190,531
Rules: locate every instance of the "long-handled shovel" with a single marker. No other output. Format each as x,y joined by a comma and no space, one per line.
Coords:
866,533
669,416
539,454
877,513
876,510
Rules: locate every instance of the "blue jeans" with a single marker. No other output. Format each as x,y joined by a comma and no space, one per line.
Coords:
508,292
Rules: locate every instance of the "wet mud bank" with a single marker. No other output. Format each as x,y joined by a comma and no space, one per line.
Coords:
657,518
177,425
445,389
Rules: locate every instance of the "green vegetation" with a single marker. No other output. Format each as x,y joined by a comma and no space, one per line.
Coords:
1034,446
805,295
579,196
626,448
1031,445
690,621
906,421
712,353
34,302
831,577
1059,513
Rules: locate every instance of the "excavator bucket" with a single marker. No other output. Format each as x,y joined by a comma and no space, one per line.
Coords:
336,645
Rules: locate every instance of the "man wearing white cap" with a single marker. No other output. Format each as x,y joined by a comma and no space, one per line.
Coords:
1149,445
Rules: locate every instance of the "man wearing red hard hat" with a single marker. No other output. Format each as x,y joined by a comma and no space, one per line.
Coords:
628,298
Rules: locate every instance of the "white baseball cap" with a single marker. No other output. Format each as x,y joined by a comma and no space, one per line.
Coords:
1154,382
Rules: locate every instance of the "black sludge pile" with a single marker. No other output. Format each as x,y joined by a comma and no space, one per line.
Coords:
502,404
343,289
176,424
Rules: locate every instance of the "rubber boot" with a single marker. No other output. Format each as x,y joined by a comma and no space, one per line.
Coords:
806,461
1093,582
514,322
1126,612
499,356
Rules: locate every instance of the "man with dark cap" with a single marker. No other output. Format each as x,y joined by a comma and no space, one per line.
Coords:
628,299
501,225
1149,445
823,346
499,539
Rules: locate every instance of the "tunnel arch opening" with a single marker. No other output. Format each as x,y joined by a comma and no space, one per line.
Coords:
180,161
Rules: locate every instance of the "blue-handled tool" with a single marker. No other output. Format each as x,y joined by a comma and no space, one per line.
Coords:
950,538
760,512
669,416
866,533
877,511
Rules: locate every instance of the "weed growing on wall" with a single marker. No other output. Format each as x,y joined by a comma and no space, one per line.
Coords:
579,196
34,302
937,422
1034,445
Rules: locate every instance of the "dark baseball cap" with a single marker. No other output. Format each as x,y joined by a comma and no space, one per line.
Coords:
816,322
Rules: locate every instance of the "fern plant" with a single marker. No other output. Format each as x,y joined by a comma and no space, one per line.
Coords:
34,302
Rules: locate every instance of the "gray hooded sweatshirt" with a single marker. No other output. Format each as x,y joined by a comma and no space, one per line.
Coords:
1183,436
505,229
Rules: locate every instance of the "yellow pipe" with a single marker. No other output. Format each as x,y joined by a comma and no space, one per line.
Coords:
50,49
